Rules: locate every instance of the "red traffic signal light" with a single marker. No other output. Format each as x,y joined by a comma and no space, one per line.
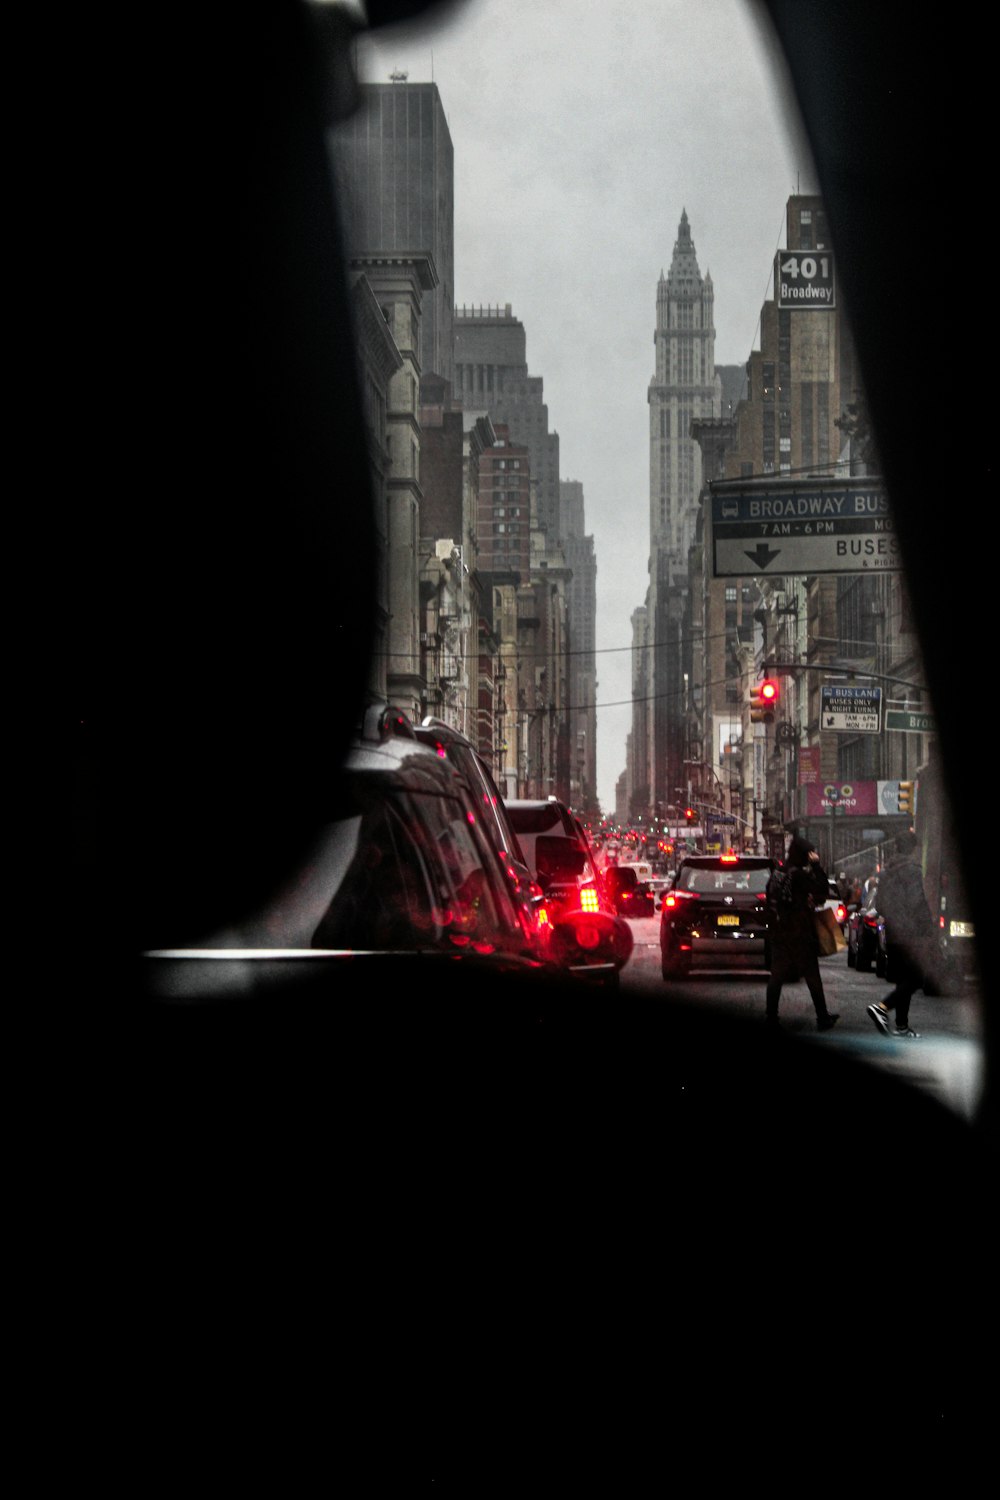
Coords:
689,814
763,701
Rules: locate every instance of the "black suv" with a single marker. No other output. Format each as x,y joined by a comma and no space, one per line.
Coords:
452,745
401,863
715,914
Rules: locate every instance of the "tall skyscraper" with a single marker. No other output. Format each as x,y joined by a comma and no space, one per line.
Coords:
491,374
582,601
394,164
684,387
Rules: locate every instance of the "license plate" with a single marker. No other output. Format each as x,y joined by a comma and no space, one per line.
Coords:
961,929
727,921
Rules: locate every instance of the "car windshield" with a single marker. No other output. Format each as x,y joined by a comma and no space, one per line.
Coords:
585,378
698,637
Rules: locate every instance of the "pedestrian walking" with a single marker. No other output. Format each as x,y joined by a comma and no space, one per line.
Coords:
795,890
909,932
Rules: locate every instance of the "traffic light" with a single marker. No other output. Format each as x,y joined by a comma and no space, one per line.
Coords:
689,814
904,797
763,701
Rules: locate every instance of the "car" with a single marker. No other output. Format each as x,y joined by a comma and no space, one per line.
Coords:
631,896
835,903
589,938
451,744
866,935
715,913
402,865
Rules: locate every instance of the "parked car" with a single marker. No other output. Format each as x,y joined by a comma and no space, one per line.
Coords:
450,744
589,938
866,935
715,913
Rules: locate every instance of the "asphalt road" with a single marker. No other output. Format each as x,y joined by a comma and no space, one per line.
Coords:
947,1060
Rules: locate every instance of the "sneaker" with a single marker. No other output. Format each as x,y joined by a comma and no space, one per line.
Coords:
908,1032
825,1022
881,1018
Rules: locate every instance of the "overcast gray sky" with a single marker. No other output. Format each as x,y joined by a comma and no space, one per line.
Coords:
581,131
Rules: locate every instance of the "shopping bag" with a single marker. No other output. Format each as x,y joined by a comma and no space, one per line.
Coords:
829,932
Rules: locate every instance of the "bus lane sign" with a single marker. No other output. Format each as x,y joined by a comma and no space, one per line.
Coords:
850,710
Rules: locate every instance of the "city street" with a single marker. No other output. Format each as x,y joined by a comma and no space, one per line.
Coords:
946,1061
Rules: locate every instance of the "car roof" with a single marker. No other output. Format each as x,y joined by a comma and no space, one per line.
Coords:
408,761
539,804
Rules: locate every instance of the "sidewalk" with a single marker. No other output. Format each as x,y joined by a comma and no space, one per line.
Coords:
950,1068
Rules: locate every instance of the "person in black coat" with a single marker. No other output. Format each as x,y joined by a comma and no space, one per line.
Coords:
794,892
909,931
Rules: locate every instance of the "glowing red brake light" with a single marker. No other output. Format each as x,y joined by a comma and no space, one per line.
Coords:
589,899
729,859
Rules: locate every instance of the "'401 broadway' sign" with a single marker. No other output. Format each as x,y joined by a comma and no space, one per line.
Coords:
773,526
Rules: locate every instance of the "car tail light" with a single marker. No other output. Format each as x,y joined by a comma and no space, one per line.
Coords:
841,913
673,898
589,899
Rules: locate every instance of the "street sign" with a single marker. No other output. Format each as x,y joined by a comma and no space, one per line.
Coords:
909,721
804,279
850,710
780,526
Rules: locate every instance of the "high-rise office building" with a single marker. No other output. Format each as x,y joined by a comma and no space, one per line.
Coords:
491,374
394,164
582,675
685,388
